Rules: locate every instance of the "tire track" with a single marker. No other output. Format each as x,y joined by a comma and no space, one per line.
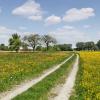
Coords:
63,92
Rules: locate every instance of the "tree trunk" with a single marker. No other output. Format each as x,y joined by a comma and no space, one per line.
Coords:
47,46
33,48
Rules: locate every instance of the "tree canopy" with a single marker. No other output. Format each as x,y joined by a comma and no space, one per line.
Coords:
15,42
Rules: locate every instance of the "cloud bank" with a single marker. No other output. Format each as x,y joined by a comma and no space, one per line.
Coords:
30,9
75,14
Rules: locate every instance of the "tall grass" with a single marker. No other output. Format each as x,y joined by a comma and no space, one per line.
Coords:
17,67
87,85
41,90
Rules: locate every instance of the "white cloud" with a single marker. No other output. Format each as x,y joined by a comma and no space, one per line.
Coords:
52,20
68,27
5,34
30,10
69,34
75,14
5,30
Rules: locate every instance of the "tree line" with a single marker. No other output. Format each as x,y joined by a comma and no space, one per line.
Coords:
88,46
35,42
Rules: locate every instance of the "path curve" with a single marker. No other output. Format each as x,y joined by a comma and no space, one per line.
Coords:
25,86
67,87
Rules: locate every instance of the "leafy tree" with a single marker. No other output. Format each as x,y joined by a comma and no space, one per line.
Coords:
39,48
32,40
24,46
3,47
89,45
86,46
56,48
80,46
65,47
98,44
15,42
47,39
95,48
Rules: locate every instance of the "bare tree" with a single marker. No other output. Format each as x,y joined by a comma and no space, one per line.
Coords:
47,39
32,40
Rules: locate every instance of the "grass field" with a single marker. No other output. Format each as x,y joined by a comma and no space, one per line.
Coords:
17,67
87,85
41,90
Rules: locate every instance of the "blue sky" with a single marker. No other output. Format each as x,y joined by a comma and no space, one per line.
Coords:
69,21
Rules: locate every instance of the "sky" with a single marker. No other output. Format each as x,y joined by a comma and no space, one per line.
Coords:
69,21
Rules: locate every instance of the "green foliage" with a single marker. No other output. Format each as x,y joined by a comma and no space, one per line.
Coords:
65,47
98,44
32,40
86,46
47,39
39,48
80,46
24,46
3,47
14,42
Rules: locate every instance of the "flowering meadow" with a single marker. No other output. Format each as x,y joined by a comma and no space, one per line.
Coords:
19,67
42,90
87,85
